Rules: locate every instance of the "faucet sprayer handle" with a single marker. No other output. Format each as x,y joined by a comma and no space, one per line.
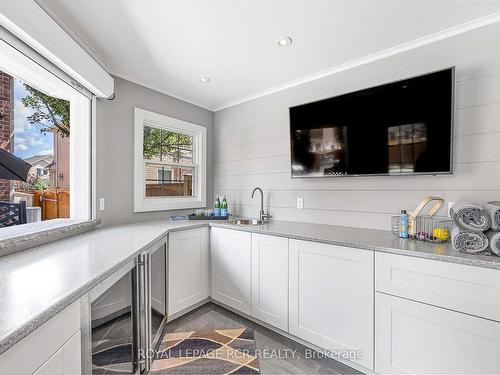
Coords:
265,217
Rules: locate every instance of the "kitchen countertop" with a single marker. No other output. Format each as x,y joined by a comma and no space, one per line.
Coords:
18,238
38,283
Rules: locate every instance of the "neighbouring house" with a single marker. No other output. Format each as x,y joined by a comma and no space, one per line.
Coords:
42,166
53,168
61,161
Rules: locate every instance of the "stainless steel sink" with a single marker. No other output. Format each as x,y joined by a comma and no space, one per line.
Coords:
245,222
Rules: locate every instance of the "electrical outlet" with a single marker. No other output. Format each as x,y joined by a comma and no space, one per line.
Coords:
300,203
450,205
101,204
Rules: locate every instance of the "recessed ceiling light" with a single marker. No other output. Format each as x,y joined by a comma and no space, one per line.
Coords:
204,80
284,41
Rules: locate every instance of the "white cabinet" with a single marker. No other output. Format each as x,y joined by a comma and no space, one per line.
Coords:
270,280
458,287
66,361
231,271
415,338
53,348
188,268
331,298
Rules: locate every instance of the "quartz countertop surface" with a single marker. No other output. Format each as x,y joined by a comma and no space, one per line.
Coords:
38,283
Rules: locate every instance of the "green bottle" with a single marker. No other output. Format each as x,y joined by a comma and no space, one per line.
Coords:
223,206
217,207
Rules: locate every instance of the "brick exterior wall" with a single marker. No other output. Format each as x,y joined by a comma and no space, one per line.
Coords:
6,124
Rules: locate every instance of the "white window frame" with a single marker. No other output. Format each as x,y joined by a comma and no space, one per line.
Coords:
142,203
17,64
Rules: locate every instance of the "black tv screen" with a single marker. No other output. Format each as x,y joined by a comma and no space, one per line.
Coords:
400,128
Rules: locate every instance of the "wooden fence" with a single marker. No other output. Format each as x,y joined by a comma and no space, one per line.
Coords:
54,203
181,188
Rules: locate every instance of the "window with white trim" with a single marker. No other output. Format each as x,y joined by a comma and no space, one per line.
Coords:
170,163
49,129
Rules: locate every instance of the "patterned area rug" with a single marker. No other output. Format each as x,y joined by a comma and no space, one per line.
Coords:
222,351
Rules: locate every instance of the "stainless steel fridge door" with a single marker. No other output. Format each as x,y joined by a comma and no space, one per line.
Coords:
152,300
158,293
113,335
142,325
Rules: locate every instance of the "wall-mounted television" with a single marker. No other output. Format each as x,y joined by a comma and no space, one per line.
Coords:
399,128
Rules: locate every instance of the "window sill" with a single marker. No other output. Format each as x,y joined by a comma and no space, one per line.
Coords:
17,238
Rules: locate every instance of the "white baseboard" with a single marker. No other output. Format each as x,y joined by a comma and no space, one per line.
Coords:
187,310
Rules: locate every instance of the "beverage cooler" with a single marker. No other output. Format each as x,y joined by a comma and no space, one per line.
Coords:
152,298
128,312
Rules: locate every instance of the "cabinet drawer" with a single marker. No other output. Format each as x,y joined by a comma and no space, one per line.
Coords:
66,361
467,289
35,349
415,338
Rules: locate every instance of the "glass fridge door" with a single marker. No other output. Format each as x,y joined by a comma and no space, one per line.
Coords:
158,288
153,300
113,331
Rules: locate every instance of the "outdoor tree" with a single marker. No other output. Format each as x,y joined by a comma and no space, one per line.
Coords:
160,144
49,112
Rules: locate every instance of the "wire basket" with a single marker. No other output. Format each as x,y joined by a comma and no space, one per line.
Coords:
425,228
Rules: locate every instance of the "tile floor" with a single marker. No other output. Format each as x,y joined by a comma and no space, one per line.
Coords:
211,316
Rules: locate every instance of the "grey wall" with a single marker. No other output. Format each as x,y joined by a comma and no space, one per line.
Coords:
114,147
252,141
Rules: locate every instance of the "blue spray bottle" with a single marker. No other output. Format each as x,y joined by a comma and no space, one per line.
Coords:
403,224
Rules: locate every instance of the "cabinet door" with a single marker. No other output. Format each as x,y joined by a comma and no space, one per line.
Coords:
188,268
45,344
270,280
331,298
230,253
414,338
66,361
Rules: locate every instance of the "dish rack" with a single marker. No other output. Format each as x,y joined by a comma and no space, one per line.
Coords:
428,227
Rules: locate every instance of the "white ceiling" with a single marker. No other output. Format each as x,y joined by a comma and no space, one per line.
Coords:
168,45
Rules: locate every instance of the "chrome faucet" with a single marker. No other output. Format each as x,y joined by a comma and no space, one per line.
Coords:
263,216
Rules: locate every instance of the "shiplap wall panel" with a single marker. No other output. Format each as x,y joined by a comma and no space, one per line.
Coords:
264,149
378,201
474,177
485,119
252,141
470,148
265,133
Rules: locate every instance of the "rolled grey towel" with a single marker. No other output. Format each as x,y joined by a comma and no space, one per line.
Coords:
468,241
494,239
470,216
493,209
